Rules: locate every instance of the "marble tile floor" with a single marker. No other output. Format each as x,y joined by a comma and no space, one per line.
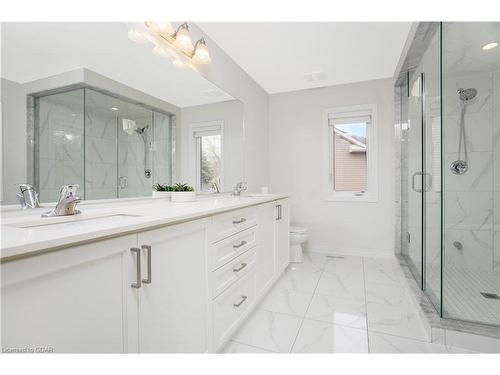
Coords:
337,305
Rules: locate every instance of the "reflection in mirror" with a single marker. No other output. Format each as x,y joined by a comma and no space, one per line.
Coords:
83,104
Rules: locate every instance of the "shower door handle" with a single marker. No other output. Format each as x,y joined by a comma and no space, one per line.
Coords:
413,184
428,186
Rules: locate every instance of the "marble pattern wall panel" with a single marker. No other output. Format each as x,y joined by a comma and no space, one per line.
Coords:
59,143
471,205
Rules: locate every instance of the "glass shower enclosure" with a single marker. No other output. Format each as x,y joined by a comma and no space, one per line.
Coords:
110,146
448,99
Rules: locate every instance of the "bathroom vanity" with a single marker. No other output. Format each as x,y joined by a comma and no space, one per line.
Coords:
141,275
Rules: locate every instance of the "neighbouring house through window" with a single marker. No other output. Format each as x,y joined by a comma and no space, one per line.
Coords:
350,153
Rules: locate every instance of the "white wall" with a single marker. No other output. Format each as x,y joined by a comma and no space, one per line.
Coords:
296,156
231,113
231,78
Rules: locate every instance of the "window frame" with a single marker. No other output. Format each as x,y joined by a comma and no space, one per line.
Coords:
371,193
195,151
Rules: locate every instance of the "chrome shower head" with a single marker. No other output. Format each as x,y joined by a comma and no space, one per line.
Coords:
141,130
467,94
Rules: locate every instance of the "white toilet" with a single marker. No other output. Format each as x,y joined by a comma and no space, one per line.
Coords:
298,236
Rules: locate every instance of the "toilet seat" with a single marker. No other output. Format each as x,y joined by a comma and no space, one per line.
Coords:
298,230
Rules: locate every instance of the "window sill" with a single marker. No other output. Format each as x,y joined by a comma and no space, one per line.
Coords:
351,198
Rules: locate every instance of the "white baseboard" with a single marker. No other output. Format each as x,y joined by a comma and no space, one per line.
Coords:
353,252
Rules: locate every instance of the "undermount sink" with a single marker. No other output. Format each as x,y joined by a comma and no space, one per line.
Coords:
66,221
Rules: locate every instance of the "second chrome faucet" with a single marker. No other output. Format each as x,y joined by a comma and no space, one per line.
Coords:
67,202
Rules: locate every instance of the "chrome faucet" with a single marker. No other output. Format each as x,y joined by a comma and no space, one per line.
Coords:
239,188
28,197
67,202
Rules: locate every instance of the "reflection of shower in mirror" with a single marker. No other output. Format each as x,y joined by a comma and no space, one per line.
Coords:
129,127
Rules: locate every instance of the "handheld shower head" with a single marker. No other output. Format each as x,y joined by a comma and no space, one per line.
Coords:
467,94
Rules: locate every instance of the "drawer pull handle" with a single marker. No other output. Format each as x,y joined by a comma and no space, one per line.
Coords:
137,252
242,243
242,220
148,252
243,299
243,265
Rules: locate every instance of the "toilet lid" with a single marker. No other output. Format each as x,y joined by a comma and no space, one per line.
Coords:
298,230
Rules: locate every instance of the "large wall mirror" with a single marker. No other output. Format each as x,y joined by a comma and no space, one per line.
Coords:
83,104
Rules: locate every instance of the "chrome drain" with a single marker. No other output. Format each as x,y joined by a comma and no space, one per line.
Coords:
490,295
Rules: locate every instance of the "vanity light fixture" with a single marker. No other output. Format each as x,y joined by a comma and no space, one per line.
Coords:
170,42
489,46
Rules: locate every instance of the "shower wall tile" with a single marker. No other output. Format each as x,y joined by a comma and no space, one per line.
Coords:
478,129
496,253
479,176
469,210
476,252
482,82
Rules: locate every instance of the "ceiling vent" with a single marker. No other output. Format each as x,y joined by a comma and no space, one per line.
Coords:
315,76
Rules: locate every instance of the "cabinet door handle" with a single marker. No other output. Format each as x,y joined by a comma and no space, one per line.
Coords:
137,252
278,208
243,299
243,265
148,254
242,243
242,220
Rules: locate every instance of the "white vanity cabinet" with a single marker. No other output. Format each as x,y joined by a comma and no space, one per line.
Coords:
282,234
266,254
173,295
180,288
74,300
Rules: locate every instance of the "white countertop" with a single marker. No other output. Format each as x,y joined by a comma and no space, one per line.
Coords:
25,233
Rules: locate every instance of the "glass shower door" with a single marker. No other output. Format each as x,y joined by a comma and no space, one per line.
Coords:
414,158
422,157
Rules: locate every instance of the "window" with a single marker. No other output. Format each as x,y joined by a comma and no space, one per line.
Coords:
351,153
207,155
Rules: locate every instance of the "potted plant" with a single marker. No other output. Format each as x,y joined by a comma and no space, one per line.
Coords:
161,191
183,193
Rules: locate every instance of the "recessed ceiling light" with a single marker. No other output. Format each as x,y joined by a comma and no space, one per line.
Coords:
488,46
114,108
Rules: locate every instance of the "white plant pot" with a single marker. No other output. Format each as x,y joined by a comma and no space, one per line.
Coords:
161,194
183,196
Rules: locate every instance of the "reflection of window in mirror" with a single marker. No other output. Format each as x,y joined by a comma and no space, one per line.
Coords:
208,140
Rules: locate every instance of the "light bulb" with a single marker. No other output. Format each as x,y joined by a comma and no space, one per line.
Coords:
183,39
159,51
160,27
201,54
137,36
488,46
178,64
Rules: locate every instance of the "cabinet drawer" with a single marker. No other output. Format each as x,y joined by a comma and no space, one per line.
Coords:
231,305
230,248
233,271
227,224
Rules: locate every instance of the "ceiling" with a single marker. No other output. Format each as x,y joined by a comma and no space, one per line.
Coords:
279,55
36,50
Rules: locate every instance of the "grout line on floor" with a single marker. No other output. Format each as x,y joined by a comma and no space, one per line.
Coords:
253,346
309,305
366,307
